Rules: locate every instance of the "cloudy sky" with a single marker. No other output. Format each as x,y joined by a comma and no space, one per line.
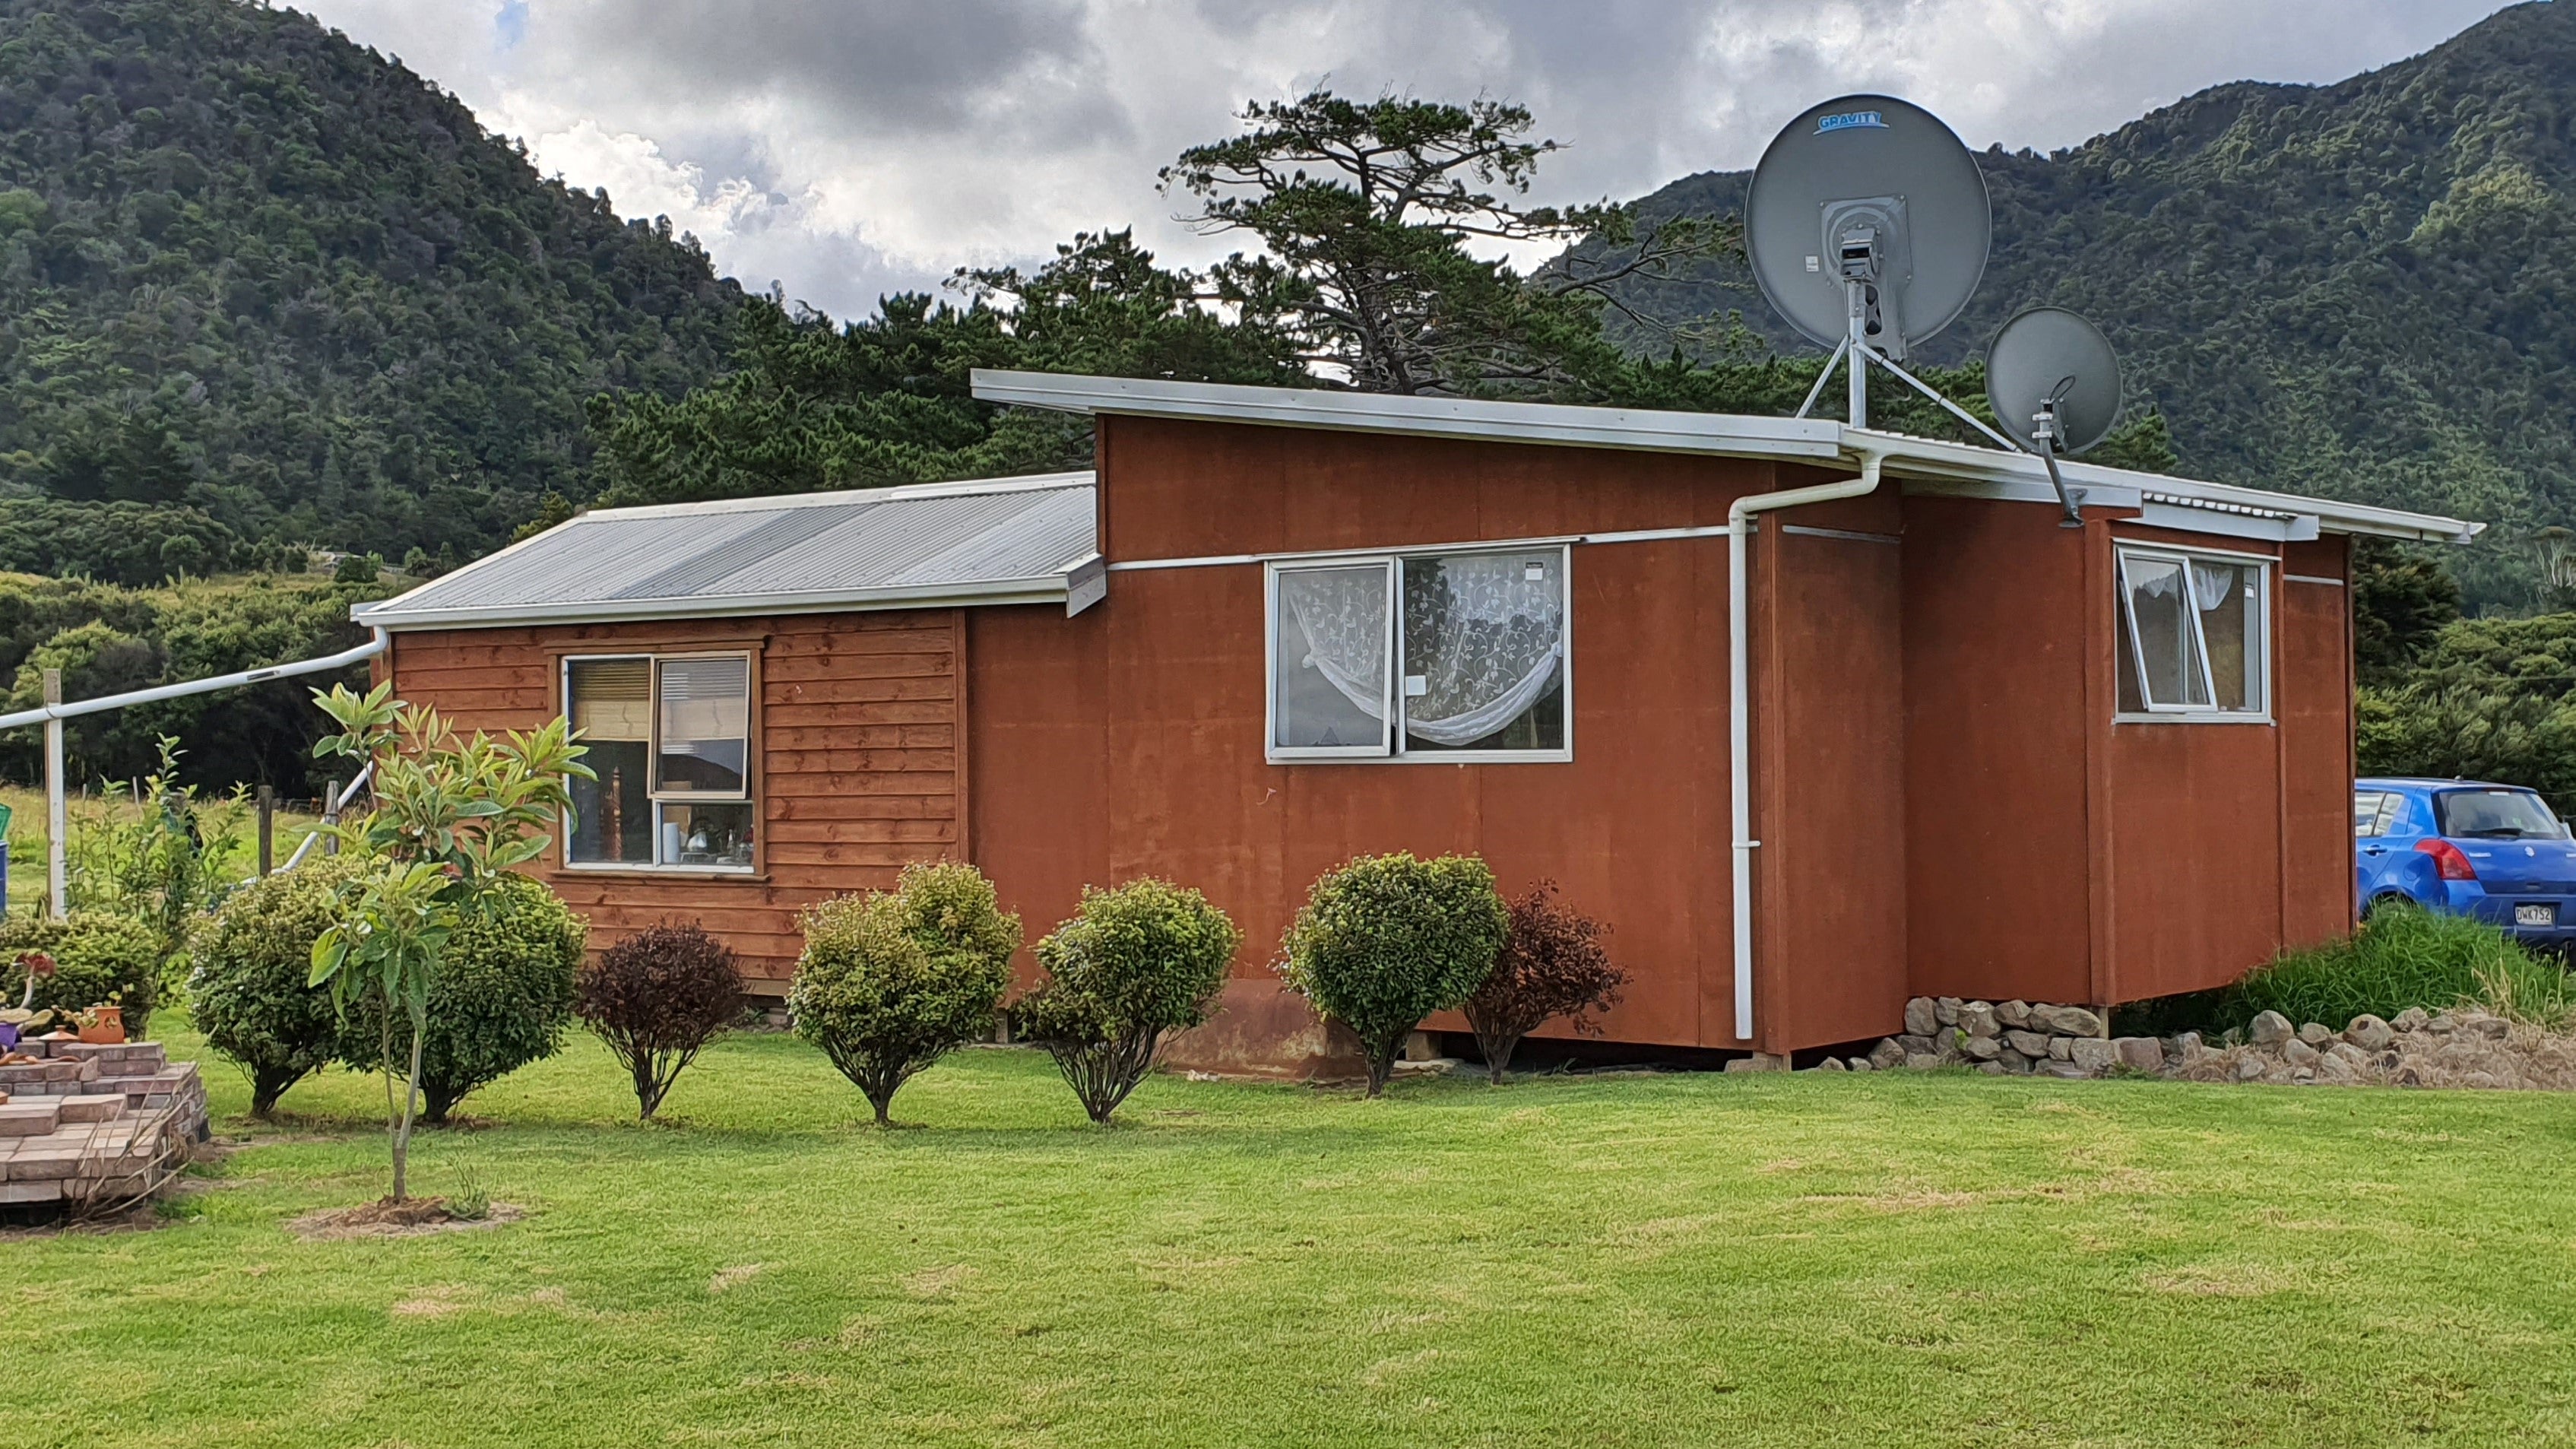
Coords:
846,148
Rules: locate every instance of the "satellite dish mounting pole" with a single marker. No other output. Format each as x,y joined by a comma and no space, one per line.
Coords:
2045,435
1856,352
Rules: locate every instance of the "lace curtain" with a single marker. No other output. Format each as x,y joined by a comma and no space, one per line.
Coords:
1342,613
1483,637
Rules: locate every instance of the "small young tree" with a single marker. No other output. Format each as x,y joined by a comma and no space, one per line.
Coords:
450,819
1387,940
249,991
890,983
1551,965
657,998
1134,964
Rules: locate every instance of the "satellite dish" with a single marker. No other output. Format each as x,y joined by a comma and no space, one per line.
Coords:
1867,222
2054,383
2053,379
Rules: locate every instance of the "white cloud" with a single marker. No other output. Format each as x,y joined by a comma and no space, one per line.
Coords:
850,147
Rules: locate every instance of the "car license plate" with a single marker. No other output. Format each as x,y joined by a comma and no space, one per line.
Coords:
2544,914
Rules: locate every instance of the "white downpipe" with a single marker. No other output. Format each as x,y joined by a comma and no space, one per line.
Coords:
52,713
1739,700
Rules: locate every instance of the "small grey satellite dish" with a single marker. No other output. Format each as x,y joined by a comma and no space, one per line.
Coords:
2055,383
1867,225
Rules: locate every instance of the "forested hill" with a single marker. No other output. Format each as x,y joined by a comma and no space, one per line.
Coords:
249,267
2365,289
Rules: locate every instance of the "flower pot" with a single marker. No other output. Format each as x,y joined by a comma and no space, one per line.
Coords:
110,1030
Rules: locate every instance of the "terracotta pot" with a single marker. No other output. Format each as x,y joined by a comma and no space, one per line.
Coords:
110,1030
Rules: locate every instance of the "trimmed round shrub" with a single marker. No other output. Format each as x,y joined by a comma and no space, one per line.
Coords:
1135,963
97,956
1551,965
253,956
501,999
656,998
1387,940
890,983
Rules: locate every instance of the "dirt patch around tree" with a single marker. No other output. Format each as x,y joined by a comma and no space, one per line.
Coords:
386,1218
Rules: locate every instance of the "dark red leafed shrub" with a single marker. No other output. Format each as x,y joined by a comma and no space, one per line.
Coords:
1551,965
656,998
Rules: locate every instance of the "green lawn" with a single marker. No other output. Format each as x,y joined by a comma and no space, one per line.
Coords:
1908,1260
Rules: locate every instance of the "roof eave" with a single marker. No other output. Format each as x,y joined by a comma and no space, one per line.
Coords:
1050,588
1648,430
1560,424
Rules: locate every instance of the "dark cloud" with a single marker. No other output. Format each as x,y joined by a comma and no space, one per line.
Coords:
851,147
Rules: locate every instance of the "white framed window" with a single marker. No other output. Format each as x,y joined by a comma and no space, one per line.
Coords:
670,741
1456,656
2194,635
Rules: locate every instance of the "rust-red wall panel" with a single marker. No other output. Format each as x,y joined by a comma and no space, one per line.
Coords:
1996,840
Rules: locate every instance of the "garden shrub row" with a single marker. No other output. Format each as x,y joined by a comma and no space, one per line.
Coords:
890,982
887,984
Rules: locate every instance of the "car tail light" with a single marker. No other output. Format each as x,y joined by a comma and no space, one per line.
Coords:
2448,862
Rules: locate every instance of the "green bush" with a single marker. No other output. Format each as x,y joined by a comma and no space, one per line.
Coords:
890,983
250,991
1135,963
2402,956
96,956
1387,940
501,999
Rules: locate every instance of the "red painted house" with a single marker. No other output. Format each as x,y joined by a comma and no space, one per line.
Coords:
1981,754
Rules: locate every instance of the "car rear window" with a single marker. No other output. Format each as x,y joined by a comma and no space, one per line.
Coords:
2496,815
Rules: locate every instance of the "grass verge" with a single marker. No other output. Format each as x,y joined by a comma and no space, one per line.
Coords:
1906,1259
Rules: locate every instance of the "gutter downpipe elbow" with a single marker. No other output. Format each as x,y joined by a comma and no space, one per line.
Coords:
1739,700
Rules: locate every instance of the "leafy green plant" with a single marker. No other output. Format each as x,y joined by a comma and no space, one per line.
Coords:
2402,956
500,998
250,991
159,865
450,820
1387,940
889,983
97,958
1133,965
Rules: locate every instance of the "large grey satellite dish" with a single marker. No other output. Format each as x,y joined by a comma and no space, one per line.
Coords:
1867,226
2054,381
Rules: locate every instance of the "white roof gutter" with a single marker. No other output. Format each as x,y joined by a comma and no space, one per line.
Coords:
1061,587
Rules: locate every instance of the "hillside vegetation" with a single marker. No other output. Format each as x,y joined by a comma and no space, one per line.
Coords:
2365,290
251,269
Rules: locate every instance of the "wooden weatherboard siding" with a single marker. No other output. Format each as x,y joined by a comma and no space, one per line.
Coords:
860,760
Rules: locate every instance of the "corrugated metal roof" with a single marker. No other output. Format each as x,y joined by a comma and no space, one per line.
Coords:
1001,540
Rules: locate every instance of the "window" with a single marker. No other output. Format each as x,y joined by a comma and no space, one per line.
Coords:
2496,815
2194,635
1452,656
2369,808
670,740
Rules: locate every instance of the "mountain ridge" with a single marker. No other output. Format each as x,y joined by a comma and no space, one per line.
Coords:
2362,289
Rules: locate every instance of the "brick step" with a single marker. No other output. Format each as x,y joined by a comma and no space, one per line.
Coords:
94,1107
31,1119
139,1056
33,1074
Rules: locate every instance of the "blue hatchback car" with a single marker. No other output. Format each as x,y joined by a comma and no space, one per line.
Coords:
2495,852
